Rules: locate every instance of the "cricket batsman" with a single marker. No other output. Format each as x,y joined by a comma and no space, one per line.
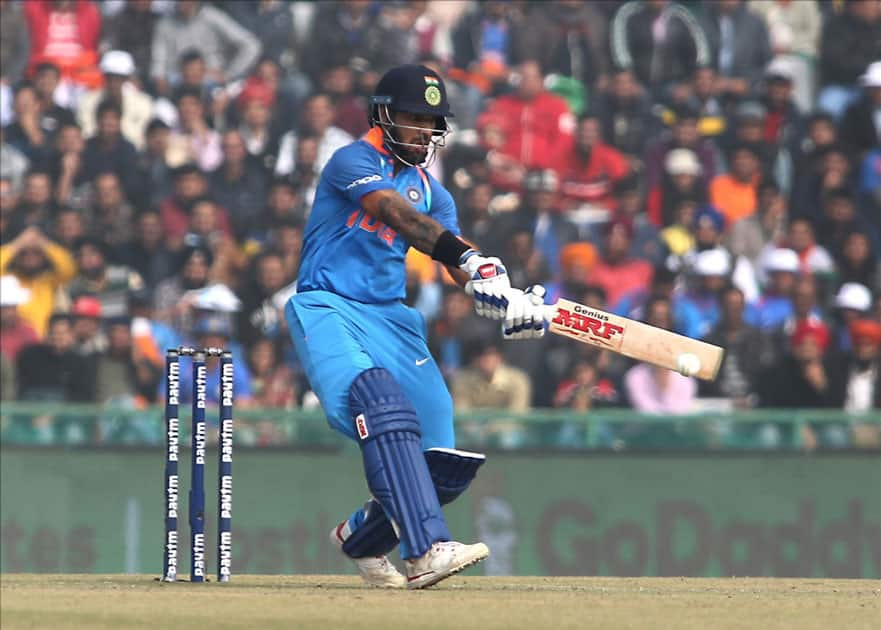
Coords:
365,352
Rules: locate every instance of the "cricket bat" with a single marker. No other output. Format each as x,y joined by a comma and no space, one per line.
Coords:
634,339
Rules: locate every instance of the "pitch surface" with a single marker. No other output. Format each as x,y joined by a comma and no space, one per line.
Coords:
461,603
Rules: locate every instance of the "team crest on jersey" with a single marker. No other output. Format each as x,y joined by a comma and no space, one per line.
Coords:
414,195
433,95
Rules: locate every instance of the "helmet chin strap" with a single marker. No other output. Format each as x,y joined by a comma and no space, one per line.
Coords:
388,126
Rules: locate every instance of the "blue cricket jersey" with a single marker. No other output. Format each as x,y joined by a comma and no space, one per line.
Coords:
347,251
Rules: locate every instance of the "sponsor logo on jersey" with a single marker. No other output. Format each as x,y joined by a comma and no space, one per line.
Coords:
364,180
361,426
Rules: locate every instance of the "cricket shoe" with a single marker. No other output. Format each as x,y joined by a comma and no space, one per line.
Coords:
443,560
375,570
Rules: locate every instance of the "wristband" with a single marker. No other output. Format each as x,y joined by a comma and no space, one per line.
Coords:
449,249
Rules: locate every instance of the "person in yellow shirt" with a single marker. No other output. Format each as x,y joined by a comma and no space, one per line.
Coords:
42,267
734,193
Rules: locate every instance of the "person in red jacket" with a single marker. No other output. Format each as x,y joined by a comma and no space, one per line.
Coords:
66,33
537,126
590,169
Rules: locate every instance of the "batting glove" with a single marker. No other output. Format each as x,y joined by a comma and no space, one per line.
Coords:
488,284
524,317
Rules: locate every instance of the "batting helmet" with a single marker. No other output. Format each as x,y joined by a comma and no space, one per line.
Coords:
414,89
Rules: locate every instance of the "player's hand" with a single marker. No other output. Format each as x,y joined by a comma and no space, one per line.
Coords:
524,317
488,284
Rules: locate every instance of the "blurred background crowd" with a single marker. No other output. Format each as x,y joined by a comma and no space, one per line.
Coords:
710,167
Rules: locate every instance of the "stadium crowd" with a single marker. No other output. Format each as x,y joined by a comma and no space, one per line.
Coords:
711,167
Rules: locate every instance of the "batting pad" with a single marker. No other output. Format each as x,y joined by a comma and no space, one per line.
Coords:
375,536
452,471
397,473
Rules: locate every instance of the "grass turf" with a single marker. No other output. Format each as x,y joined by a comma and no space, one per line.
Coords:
326,601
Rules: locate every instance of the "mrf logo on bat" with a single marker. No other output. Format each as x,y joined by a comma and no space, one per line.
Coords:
584,323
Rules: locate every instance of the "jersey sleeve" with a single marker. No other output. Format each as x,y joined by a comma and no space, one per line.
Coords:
443,208
356,170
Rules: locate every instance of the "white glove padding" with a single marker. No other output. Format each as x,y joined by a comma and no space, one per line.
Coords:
488,284
524,318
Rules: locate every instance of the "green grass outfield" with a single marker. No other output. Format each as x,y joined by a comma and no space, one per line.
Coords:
462,602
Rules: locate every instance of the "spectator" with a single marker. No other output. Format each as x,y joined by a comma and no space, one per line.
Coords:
625,113
147,252
193,272
850,41
153,169
42,267
686,317
709,227
660,41
577,260
857,262
681,182
813,258
763,230
713,269
804,309
318,116
123,376
215,331
794,33
14,47
238,184
734,194
775,305
73,48
272,24
744,353
284,204
54,371
683,134
53,114
263,298
784,124
856,378
654,390
195,24
87,329
36,206
537,125
15,331
484,45
190,186
589,172
861,125
571,38
69,227
108,150
839,219
852,302
646,238
739,45
131,30
110,284
112,214
67,168
26,133
272,382
13,163
456,330
800,379
617,272
192,140
256,103
287,239
136,106
339,83
489,383
540,217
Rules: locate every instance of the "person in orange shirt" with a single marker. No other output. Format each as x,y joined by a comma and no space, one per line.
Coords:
734,193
